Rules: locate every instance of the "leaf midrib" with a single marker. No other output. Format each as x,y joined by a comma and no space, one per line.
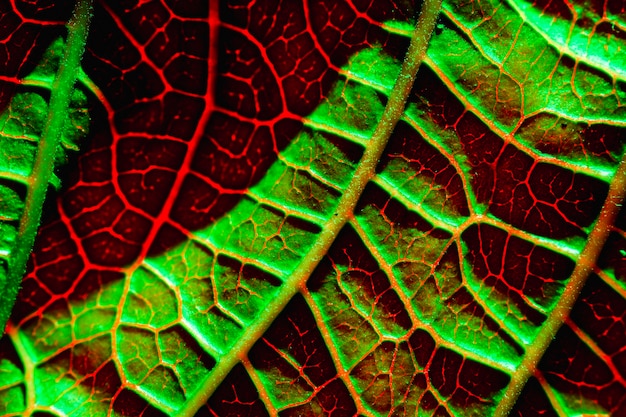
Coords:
363,174
38,181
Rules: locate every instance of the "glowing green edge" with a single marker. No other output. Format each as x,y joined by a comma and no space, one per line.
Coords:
37,184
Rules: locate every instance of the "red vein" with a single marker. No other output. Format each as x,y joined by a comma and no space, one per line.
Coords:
342,372
597,350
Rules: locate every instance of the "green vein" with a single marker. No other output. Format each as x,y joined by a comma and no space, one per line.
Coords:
363,174
584,266
43,166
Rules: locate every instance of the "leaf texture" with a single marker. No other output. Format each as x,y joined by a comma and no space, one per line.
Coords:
211,252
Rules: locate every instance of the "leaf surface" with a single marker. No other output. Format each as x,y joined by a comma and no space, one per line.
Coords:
229,242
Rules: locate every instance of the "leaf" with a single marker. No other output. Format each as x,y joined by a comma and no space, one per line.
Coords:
231,241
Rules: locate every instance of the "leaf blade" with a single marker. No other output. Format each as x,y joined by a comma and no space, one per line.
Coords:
432,277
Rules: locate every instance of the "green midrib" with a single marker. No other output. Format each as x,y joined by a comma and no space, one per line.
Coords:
331,229
43,166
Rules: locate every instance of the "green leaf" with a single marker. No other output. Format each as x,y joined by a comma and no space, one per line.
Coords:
272,221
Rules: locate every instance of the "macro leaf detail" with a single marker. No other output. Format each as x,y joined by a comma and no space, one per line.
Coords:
272,215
